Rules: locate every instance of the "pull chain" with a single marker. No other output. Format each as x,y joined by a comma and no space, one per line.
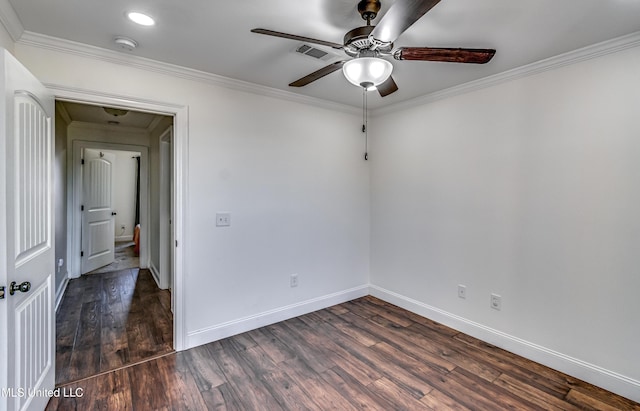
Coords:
365,125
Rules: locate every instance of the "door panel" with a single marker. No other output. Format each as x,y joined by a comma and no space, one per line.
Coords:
26,238
98,231
31,168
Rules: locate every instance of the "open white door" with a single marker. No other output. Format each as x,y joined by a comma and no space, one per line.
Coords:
27,328
98,235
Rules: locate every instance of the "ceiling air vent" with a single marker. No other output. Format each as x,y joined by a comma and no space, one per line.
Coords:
310,51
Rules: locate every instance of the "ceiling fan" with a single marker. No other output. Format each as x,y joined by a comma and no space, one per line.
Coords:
369,44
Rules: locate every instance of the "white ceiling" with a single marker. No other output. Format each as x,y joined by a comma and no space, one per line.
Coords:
214,36
86,113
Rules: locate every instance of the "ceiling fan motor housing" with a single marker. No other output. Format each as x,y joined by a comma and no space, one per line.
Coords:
359,39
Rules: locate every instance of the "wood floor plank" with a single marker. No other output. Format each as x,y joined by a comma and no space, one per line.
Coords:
532,394
598,399
399,320
362,355
313,357
400,399
321,392
205,370
149,391
544,378
240,375
355,392
436,400
181,388
342,347
220,398
275,349
501,398
287,392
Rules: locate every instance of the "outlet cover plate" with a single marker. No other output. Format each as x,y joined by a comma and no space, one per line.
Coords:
496,302
462,291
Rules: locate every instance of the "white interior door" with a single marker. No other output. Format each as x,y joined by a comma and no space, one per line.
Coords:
27,331
98,235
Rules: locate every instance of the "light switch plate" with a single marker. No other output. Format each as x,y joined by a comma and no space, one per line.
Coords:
223,219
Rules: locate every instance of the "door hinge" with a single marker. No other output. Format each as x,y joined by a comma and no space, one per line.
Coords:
82,161
2,292
81,253
176,243
81,208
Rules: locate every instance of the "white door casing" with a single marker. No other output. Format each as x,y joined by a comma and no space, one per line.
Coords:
27,326
98,238
166,195
180,150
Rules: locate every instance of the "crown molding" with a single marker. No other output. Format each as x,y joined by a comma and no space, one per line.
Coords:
110,56
10,20
97,53
586,53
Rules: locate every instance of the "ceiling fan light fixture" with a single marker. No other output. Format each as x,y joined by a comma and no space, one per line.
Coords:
367,71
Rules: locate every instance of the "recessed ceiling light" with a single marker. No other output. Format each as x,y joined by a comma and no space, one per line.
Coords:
141,18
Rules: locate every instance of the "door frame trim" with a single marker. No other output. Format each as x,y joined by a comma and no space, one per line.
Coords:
180,114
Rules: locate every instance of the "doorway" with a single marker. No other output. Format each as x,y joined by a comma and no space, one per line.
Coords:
112,318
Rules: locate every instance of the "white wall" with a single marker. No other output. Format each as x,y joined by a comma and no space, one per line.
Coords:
291,175
124,193
531,190
5,39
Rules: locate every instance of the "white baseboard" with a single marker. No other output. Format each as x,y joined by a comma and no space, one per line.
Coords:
124,238
61,291
228,329
609,380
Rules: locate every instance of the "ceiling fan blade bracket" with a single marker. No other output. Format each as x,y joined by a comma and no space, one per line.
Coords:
384,46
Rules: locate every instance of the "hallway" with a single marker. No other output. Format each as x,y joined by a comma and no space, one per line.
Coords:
110,320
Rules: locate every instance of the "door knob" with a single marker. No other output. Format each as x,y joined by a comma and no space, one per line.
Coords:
23,288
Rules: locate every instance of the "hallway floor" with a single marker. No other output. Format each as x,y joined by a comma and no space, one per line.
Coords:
110,320
124,257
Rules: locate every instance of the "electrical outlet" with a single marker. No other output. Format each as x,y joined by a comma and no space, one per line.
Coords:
293,281
223,219
496,302
462,291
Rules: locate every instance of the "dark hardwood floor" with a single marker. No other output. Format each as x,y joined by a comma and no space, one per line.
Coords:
110,320
364,354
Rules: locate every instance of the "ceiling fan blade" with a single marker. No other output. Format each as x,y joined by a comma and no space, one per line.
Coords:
318,74
451,55
401,15
388,87
299,38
